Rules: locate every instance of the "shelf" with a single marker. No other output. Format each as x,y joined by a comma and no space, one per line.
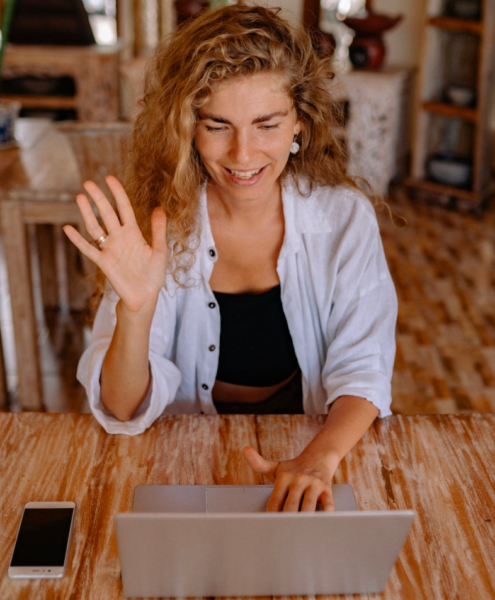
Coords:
455,52
447,190
55,102
456,24
451,110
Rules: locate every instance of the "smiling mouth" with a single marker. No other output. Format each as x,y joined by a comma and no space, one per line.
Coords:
245,174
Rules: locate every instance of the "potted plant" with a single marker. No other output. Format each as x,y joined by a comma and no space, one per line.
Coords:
8,110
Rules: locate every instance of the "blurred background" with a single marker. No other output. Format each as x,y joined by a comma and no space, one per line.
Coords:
414,86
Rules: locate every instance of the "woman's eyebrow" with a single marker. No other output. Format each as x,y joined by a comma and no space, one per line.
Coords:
263,118
260,119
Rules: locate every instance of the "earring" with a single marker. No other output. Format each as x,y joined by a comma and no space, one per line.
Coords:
294,149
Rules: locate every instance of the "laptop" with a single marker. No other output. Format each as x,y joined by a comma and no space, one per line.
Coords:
217,540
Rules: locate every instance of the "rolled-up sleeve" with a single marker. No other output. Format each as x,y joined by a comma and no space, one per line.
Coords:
165,376
361,329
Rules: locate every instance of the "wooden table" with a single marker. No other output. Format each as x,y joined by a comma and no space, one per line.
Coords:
440,466
38,185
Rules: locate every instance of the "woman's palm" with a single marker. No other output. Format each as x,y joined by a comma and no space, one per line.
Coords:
136,270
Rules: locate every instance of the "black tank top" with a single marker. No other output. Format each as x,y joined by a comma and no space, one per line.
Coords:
256,348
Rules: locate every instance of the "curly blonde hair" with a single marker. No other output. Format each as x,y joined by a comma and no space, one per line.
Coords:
233,41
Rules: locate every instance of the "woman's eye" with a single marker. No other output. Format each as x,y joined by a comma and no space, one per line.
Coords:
220,129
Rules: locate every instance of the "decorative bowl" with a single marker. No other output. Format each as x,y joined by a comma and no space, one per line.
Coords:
450,170
372,23
460,95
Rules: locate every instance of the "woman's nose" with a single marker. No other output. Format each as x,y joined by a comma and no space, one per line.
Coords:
242,149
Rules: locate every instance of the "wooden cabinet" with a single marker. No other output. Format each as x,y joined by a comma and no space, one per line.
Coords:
94,69
453,133
375,132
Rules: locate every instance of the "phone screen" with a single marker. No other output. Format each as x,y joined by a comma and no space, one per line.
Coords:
43,536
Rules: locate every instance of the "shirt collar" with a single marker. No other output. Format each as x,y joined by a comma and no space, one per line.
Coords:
206,240
303,215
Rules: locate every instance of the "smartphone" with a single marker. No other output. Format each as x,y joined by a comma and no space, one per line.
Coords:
42,544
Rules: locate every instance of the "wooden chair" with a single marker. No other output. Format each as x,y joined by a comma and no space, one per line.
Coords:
100,149
90,151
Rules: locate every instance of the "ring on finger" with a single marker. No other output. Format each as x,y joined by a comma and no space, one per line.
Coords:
100,240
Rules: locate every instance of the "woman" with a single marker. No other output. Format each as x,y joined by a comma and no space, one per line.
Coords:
260,284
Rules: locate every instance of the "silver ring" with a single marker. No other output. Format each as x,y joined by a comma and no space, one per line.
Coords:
100,240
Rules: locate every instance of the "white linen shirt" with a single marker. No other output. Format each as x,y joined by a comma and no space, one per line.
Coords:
337,295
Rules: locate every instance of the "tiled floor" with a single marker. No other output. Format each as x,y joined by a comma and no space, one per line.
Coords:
442,264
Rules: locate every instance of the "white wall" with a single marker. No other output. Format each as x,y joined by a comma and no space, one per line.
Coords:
292,10
403,43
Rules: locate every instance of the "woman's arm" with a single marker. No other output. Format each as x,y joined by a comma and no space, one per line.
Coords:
125,374
165,377
347,421
137,273
307,478
357,371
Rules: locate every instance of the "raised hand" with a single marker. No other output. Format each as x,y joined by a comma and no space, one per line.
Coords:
136,270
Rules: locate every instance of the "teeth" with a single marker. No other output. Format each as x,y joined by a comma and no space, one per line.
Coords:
244,175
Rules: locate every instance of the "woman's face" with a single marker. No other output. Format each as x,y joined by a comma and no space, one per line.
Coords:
244,134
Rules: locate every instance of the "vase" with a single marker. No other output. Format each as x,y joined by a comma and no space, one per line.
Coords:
367,50
189,9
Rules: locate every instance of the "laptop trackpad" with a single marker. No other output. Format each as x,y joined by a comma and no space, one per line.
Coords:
220,498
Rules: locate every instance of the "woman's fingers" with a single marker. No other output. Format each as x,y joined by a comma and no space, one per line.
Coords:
159,230
298,495
294,497
259,464
294,491
310,499
83,245
105,209
126,212
326,501
90,221
280,491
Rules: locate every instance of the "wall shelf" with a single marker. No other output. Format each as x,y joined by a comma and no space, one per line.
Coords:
456,24
441,189
33,101
456,53
450,110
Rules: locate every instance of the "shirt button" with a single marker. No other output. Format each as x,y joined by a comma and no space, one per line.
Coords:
212,253
212,305
204,386
211,348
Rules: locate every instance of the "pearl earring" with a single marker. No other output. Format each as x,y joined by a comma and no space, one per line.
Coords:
294,149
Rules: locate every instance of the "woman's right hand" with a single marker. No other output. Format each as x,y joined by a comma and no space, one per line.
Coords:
136,270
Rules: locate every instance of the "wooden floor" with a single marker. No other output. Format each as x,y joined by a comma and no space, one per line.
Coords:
442,264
